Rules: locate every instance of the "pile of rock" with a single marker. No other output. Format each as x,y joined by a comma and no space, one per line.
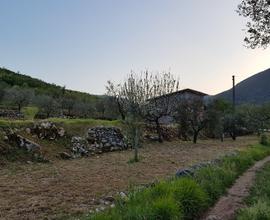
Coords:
46,130
168,133
11,114
98,140
106,139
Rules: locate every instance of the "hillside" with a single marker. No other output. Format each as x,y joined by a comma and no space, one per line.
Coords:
9,78
255,89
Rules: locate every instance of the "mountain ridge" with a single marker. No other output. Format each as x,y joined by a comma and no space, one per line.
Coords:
252,90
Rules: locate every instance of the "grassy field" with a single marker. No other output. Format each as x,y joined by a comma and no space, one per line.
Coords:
185,198
66,188
73,126
259,200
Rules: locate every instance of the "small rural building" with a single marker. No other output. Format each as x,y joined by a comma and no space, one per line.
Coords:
178,96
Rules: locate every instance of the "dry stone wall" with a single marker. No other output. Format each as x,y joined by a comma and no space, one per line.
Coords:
98,140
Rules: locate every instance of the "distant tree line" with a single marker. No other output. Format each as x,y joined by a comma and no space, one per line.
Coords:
18,91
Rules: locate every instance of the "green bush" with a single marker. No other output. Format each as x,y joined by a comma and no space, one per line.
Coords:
214,181
166,208
190,196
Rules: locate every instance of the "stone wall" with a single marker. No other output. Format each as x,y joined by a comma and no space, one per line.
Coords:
11,114
46,130
98,140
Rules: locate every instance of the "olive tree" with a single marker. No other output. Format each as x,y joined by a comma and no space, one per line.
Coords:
136,96
115,91
256,117
19,96
258,26
162,101
192,114
48,105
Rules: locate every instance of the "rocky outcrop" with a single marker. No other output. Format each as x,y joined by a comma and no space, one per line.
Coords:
98,140
18,141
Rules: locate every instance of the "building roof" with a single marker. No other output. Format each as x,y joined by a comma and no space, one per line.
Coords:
189,91
185,91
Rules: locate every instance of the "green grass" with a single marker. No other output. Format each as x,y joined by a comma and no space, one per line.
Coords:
73,125
259,199
87,121
187,197
30,112
5,123
79,126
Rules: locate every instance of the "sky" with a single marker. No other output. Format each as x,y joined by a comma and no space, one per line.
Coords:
84,43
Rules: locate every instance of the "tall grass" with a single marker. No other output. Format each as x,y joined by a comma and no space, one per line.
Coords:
259,200
187,197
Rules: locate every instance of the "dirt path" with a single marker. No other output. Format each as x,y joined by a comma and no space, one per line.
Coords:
226,207
62,188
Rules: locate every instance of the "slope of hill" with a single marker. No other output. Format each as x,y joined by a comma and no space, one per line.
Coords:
255,89
9,78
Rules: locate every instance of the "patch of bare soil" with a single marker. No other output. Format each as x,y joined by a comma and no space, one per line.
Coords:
226,207
61,188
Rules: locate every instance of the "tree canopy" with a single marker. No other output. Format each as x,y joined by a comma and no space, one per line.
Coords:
258,26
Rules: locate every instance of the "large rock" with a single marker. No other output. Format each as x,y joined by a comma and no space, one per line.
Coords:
47,130
22,142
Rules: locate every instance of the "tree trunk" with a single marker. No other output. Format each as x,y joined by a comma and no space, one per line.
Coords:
136,145
121,111
222,137
195,137
19,107
159,131
233,136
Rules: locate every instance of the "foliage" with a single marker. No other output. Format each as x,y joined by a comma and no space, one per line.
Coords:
259,211
21,90
47,105
135,94
214,181
190,197
258,28
161,100
191,115
19,96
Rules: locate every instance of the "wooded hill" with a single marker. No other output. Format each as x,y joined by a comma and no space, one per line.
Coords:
9,78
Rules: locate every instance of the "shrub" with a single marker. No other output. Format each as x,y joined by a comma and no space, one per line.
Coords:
190,197
159,190
166,208
214,181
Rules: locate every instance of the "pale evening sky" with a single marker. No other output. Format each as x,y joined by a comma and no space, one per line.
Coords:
84,43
